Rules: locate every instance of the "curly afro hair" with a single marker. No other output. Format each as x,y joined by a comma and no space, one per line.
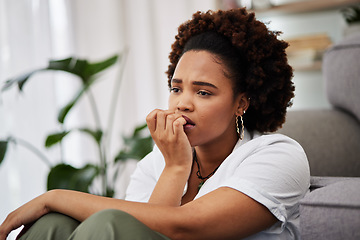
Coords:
254,59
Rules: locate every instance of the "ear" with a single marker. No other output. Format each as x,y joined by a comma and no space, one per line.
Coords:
243,103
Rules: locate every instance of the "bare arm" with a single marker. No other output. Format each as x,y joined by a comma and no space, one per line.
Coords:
216,215
222,214
166,129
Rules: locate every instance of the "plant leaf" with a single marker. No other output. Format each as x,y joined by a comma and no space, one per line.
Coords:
59,177
139,129
65,64
81,67
20,80
97,134
65,110
3,148
136,148
94,68
110,192
64,176
71,65
55,138
83,178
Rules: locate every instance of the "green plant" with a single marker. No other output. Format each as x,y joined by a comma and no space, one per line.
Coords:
63,175
351,14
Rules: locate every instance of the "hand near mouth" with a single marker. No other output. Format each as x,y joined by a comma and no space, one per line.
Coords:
168,131
189,124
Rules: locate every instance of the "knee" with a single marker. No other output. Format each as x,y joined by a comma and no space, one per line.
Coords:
109,216
100,225
56,219
111,224
53,225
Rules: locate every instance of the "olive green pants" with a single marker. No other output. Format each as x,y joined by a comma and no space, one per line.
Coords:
107,224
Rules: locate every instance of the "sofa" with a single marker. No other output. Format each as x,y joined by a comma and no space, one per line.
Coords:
331,140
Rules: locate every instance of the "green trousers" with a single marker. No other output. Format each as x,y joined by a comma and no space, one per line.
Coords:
107,224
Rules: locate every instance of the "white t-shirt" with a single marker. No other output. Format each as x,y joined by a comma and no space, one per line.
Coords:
272,169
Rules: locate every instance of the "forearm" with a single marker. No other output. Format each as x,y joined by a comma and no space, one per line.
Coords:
170,186
222,214
80,206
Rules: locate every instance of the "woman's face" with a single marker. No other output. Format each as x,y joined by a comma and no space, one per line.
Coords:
204,96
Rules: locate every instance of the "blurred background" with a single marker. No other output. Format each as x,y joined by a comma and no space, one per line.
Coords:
34,31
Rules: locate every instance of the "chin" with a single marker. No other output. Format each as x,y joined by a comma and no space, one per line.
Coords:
191,141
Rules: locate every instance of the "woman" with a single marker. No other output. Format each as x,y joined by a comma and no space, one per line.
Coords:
214,172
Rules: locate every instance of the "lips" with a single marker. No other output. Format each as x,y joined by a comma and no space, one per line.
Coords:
189,123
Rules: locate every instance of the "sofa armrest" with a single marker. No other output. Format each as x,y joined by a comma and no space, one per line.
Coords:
331,210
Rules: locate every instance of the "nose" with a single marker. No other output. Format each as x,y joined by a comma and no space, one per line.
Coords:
185,103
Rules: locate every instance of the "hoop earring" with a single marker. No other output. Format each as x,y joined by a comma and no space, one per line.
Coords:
242,132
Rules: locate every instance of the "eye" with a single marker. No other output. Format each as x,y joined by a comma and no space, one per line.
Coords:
203,93
174,90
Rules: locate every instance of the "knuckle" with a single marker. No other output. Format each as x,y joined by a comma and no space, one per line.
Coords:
177,123
148,119
171,117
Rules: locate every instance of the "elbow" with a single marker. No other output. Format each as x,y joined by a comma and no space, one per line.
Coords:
179,234
184,227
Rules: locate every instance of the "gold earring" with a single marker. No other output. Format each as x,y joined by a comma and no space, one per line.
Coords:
242,133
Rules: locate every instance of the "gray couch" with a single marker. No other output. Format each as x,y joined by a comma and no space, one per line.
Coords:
331,139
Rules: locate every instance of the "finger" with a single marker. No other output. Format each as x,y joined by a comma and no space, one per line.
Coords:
161,119
178,125
5,229
170,121
151,120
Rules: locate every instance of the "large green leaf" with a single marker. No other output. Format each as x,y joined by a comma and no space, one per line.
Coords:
20,80
66,64
55,138
64,176
3,148
139,129
95,68
84,177
136,148
60,177
66,109
110,192
97,134
81,67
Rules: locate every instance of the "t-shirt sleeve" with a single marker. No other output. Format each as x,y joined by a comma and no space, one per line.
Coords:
276,175
144,178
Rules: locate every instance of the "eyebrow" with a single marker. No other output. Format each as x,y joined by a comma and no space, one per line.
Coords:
198,83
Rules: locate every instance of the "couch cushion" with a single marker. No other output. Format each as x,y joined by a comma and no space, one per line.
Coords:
330,138
332,212
320,182
341,71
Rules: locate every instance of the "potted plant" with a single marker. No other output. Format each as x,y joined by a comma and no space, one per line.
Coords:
63,175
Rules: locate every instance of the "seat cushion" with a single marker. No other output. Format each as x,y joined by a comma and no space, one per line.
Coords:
332,212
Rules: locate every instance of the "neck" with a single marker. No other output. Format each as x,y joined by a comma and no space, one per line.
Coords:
211,156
